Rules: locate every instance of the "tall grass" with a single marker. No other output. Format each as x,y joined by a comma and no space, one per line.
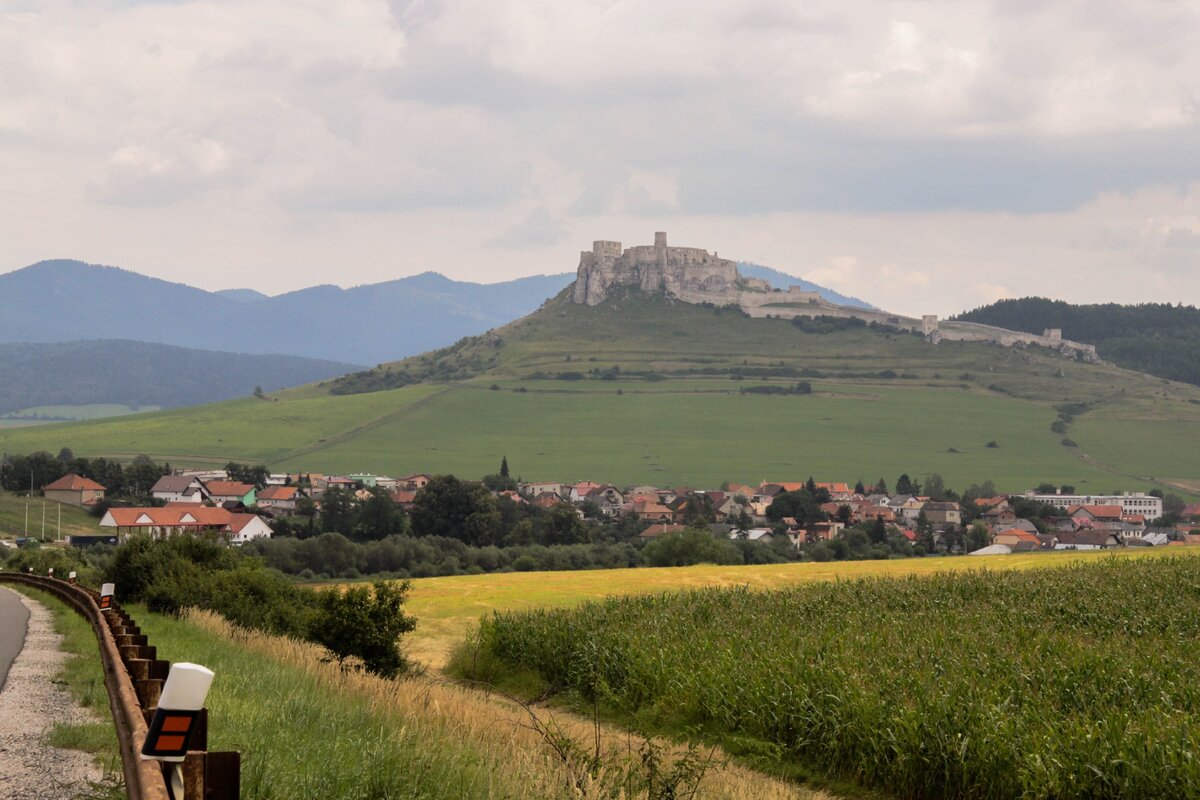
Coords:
305,728
1074,682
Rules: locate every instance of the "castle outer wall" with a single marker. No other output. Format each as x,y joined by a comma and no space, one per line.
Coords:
693,275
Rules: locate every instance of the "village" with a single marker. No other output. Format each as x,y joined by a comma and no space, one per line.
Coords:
981,522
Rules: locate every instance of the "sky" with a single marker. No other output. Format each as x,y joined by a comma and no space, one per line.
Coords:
926,156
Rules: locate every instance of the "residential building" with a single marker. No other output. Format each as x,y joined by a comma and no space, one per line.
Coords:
413,483
243,528
179,489
221,492
942,513
74,490
1130,502
279,498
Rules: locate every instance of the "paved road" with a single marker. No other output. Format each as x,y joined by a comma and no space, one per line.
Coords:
14,618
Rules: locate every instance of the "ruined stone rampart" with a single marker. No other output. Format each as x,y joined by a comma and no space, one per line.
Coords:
693,275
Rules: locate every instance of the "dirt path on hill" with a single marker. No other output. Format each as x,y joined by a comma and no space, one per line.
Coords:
31,703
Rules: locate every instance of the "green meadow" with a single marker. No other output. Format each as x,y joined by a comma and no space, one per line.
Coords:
642,390
12,518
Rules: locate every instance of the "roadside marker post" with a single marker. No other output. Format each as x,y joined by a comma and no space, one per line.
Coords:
106,596
179,707
71,578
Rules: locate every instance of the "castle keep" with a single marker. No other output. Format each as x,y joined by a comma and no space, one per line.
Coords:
693,275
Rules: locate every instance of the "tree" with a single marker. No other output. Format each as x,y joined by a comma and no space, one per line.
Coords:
690,546
504,466
977,537
442,507
877,533
859,488
245,473
935,487
881,487
378,517
925,534
798,504
907,486
365,623
698,510
337,511
561,525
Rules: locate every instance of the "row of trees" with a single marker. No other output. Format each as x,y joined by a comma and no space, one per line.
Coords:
132,480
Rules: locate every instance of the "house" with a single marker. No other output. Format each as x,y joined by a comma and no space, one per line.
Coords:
657,530
911,509
542,487
1015,538
579,491
221,492
413,483
607,496
649,511
179,489
764,535
243,528
404,498
1107,517
772,489
999,516
160,523
838,491
1087,540
279,498
74,490
547,500
942,513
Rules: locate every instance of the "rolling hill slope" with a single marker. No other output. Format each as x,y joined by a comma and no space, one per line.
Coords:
643,389
142,374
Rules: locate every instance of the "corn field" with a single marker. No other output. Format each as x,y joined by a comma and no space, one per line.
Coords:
1073,682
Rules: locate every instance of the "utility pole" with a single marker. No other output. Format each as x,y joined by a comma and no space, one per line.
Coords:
27,502
43,519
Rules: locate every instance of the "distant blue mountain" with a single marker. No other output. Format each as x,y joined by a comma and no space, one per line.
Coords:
65,301
62,301
781,280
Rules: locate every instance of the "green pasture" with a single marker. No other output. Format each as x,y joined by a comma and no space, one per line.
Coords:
12,517
885,403
702,439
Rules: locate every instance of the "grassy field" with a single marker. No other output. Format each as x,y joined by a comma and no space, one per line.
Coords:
12,518
306,728
448,608
84,412
936,412
1017,684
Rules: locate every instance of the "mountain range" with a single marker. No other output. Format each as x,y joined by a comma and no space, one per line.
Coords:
122,372
61,301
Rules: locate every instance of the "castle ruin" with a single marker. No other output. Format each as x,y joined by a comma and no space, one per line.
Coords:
693,275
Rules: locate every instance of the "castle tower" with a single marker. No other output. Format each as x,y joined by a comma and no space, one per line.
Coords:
660,240
929,324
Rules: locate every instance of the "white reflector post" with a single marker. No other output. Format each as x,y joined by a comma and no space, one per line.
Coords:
179,706
106,596
186,687
72,575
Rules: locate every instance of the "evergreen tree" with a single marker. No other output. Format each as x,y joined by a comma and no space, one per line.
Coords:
504,466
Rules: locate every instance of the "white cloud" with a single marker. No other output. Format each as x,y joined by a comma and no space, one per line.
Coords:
913,153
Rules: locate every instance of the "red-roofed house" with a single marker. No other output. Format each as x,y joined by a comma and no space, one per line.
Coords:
652,512
655,531
243,528
283,498
74,490
231,492
837,491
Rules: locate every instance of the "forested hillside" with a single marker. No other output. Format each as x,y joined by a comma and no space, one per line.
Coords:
1157,338
143,374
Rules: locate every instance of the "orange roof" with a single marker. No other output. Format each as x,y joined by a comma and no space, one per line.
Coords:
659,529
787,486
228,488
277,493
239,521
1100,512
1021,536
73,483
196,516
835,488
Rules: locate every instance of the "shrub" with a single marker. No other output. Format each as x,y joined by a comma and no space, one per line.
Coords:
364,623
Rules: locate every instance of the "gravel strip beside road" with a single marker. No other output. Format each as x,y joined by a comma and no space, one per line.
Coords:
30,705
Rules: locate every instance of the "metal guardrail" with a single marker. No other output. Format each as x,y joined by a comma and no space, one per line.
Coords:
134,676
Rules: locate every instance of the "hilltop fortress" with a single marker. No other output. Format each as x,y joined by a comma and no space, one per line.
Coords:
693,275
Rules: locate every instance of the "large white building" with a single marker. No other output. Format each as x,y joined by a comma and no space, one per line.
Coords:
1130,502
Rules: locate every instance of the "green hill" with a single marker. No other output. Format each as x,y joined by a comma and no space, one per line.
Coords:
1157,338
643,389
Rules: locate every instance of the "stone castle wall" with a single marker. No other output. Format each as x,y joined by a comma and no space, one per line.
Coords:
693,275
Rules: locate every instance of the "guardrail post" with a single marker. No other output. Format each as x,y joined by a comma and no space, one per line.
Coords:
212,776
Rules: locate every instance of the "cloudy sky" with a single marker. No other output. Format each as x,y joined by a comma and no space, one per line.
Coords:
928,156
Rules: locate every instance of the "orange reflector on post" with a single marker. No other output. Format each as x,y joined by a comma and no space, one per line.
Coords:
106,596
169,733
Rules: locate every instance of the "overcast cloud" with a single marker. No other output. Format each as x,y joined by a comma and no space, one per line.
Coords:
927,156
